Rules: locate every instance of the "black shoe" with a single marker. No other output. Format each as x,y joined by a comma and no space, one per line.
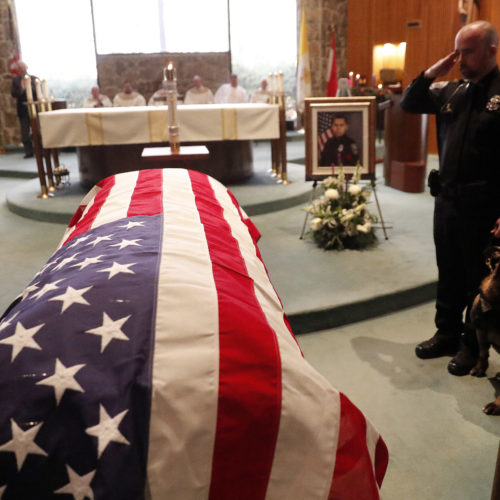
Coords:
28,155
437,346
463,362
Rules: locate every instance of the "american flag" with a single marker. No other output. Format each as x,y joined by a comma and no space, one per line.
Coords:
325,129
151,358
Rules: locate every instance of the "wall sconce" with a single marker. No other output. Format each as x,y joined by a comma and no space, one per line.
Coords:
389,61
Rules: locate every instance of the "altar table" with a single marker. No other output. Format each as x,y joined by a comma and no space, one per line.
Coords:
111,140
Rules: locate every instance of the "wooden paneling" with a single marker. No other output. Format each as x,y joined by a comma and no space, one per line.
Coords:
372,22
360,37
389,21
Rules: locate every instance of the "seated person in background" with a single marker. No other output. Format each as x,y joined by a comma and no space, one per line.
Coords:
340,149
160,96
128,97
231,92
262,95
97,100
198,94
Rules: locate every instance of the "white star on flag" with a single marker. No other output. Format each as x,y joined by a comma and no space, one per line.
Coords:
107,430
78,486
46,288
51,263
6,322
22,443
72,296
79,240
65,261
63,379
88,261
99,239
28,290
22,338
126,243
118,268
109,330
133,224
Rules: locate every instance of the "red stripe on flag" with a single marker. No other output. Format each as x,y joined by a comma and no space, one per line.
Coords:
381,461
255,234
147,198
84,225
354,476
249,403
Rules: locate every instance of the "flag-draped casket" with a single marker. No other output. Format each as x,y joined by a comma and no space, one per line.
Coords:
151,358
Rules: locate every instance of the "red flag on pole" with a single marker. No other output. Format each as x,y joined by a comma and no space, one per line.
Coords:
331,90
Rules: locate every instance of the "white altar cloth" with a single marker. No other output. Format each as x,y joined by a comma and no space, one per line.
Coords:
147,124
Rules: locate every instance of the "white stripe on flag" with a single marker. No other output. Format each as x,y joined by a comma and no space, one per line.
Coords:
118,201
304,458
186,357
372,437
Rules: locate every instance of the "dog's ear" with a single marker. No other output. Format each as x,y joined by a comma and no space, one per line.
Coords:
492,255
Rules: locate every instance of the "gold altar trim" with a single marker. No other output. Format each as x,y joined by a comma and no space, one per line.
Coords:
229,119
158,126
95,129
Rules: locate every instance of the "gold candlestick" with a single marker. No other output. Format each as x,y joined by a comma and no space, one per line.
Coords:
169,74
29,95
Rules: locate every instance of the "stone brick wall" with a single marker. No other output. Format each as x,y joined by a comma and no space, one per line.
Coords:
9,126
145,71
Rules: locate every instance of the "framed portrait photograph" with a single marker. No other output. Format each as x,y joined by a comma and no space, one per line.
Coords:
340,132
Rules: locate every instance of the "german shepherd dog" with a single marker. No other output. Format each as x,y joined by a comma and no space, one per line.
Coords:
485,315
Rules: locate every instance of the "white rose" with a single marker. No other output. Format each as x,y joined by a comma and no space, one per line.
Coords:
359,208
365,228
330,181
316,224
347,216
354,189
332,194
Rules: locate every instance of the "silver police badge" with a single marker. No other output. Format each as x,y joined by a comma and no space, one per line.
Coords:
493,103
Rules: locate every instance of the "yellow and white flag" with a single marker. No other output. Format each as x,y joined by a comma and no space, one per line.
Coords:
303,67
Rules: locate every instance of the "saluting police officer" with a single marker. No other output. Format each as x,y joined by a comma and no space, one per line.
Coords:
467,186
339,149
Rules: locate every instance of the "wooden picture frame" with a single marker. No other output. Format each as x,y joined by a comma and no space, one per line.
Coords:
354,119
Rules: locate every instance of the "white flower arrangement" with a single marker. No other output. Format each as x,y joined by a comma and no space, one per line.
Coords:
340,217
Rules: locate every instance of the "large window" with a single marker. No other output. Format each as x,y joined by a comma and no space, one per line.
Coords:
263,41
57,44
149,26
57,36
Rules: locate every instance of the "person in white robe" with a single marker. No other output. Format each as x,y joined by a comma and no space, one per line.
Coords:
262,95
159,98
231,92
129,97
97,100
198,94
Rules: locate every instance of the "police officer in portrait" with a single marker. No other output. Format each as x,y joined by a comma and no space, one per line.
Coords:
467,185
340,149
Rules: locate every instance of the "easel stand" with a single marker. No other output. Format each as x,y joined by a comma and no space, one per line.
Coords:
374,189
311,198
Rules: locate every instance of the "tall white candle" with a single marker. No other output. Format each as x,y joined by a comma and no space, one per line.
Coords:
29,92
281,83
38,88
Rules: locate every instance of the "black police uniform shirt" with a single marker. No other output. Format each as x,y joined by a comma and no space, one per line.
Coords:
339,150
468,123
